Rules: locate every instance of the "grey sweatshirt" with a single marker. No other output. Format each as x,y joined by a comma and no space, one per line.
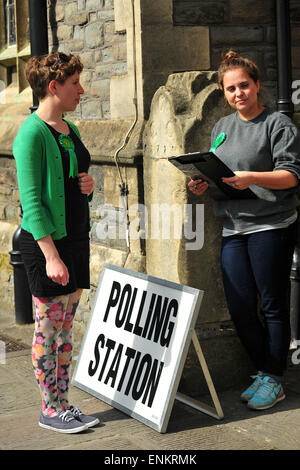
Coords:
269,142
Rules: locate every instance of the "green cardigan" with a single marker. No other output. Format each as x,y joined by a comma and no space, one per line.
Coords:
40,179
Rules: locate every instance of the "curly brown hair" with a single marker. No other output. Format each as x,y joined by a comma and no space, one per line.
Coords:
40,70
232,60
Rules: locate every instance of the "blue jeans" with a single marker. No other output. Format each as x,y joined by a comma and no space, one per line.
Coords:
256,273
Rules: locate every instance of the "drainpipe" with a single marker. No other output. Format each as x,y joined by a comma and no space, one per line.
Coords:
38,33
295,300
122,184
284,60
285,106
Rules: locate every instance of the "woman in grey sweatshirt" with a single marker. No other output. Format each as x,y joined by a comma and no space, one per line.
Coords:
262,148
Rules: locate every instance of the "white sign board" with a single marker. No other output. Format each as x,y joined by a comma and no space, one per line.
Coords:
136,343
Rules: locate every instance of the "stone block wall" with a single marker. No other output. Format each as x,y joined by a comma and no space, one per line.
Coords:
108,232
9,216
87,28
182,116
248,26
93,30
295,38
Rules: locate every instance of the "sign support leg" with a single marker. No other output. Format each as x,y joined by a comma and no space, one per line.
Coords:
214,412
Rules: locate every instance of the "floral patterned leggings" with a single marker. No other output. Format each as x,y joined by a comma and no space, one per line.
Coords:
52,349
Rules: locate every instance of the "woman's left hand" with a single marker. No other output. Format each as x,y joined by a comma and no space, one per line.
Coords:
86,183
241,180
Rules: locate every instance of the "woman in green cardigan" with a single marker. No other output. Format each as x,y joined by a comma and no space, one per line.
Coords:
55,187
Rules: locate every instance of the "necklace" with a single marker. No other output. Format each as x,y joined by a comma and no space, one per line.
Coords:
67,143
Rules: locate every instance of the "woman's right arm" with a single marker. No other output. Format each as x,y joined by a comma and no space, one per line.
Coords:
28,150
28,153
55,267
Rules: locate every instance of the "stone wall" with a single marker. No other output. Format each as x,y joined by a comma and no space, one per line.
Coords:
108,221
248,26
9,216
155,48
183,113
116,55
295,35
87,28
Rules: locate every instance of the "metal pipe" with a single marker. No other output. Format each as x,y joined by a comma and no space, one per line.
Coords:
38,33
284,60
285,106
122,184
295,299
23,298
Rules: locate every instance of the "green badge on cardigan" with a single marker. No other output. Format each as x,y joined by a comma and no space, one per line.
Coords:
67,143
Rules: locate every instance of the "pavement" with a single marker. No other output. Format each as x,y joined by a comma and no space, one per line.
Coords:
189,431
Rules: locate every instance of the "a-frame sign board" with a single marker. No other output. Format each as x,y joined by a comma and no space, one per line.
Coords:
136,343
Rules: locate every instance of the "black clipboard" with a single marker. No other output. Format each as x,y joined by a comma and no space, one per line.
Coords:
207,166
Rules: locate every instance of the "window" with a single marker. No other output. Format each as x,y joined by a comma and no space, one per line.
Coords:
14,43
10,22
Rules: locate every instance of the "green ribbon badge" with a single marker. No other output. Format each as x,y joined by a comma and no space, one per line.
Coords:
219,140
67,143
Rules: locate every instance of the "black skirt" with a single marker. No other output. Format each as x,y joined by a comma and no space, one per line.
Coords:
74,253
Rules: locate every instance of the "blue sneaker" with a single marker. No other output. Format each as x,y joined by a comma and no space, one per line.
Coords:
268,394
249,393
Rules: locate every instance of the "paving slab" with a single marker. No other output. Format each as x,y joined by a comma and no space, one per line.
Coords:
188,429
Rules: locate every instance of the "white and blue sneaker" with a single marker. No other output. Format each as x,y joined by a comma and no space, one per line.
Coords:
268,394
249,393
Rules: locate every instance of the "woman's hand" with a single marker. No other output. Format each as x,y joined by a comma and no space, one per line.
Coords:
276,179
241,180
197,187
86,183
57,271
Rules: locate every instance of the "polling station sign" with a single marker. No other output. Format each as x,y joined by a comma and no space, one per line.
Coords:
136,342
